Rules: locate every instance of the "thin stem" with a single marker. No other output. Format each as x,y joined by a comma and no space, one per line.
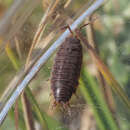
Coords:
16,113
40,29
8,30
27,110
6,21
27,101
105,88
105,71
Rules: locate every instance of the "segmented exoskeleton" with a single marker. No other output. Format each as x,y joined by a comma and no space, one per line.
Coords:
66,70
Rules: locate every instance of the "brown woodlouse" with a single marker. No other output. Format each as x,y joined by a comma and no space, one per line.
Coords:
66,70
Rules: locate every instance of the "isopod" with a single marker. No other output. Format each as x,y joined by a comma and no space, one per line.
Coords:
66,70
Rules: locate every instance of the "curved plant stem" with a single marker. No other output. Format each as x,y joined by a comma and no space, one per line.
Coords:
105,71
26,103
105,88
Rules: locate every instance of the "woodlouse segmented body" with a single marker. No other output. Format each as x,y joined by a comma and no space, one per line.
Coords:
66,70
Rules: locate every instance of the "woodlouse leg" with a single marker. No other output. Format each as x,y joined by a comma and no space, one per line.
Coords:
48,80
53,105
50,97
67,107
67,26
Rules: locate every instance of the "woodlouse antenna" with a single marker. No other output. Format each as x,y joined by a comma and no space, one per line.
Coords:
93,20
84,25
68,27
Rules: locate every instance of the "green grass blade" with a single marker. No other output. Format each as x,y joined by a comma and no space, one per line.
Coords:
105,71
51,124
12,57
94,97
47,122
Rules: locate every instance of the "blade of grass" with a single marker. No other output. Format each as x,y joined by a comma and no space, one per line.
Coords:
40,29
27,112
25,102
95,98
105,71
54,124
7,30
21,121
54,6
44,119
16,113
105,89
16,65
12,58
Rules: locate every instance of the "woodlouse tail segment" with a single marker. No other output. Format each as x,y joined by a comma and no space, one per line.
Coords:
53,105
67,108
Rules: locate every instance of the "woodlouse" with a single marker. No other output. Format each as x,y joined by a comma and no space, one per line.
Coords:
66,70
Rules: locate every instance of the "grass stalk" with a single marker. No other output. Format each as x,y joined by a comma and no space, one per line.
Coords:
94,97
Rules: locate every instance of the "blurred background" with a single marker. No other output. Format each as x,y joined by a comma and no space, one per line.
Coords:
97,106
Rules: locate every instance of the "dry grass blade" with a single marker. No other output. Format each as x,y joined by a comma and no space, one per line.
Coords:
20,21
26,105
37,38
54,7
105,89
27,112
104,70
40,29
6,20
13,84
83,8
25,102
16,115
18,47
42,44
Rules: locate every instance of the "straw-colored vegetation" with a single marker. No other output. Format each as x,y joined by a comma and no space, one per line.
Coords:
102,100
